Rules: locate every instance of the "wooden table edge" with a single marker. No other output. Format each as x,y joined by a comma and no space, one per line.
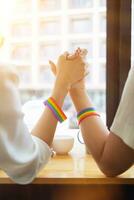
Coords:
76,181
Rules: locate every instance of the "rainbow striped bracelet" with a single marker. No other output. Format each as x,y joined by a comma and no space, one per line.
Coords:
87,112
56,110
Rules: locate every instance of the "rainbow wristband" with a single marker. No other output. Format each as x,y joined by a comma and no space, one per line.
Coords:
56,110
87,112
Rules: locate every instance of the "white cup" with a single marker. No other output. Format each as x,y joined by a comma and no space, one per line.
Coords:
63,144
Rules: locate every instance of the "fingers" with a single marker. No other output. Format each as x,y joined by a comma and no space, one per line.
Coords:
82,52
53,67
85,67
66,54
72,57
79,52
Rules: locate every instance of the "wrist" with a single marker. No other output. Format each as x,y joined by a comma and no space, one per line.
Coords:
59,91
81,100
62,81
77,92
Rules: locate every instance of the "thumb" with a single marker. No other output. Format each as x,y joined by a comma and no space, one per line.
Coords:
53,67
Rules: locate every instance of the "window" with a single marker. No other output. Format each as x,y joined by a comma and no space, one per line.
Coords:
21,52
102,23
80,4
50,27
49,51
46,77
51,5
102,74
102,49
21,7
21,29
24,73
102,3
39,30
79,25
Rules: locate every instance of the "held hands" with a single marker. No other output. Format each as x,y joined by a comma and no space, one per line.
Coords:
80,85
71,69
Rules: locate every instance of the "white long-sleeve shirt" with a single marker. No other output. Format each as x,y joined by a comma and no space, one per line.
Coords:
21,154
123,125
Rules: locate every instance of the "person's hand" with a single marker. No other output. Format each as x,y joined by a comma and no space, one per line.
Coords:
78,53
80,85
69,70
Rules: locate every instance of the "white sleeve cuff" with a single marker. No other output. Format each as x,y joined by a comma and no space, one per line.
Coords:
27,173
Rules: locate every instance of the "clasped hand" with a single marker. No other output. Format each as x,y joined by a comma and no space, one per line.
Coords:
71,69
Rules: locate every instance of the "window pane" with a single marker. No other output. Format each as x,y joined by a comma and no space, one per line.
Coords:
102,48
102,23
102,74
45,76
102,3
52,27
22,6
49,52
21,29
81,25
24,75
46,5
21,52
81,3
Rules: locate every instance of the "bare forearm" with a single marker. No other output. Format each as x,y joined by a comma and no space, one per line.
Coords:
46,126
68,73
93,130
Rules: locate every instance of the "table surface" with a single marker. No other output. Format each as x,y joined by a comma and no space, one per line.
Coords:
75,168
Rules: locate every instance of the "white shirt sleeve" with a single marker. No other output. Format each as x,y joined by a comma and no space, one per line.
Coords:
21,154
123,124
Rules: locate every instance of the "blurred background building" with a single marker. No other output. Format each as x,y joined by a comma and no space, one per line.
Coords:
38,30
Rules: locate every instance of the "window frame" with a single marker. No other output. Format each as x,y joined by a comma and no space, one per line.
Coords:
118,56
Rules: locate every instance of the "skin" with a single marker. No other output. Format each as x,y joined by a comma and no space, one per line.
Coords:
111,154
46,125
44,129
